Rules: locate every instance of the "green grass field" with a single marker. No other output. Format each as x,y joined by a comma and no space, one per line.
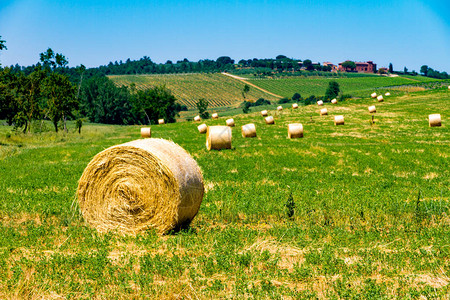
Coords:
357,86
371,217
218,89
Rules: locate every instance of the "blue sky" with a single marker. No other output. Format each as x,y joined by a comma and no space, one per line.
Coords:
405,32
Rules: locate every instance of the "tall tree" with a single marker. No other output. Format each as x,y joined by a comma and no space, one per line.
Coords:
424,70
245,91
391,68
202,106
348,64
2,44
332,90
158,102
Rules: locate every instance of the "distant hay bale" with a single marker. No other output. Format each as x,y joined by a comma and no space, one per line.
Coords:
197,118
264,113
146,132
323,112
202,128
230,122
372,109
295,106
338,120
373,95
215,116
280,108
248,130
380,98
218,137
147,183
269,120
161,121
320,102
434,120
295,130
387,94
334,101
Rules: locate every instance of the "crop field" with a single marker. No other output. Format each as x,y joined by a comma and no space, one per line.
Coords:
218,89
359,211
357,86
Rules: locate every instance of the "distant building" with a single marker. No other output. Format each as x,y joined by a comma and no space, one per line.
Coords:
334,68
361,67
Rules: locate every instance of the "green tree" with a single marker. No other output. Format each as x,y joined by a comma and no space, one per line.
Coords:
348,64
61,100
332,90
245,90
405,70
8,104
52,60
158,102
2,44
296,97
391,68
246,107
424,70
202,106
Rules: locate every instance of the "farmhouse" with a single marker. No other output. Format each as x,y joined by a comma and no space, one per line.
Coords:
361,67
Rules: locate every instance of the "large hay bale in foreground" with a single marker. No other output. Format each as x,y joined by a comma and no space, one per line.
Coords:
161,121
202,128
248,130
148,183
338,120
323,112
197,119
380,98
215,116
334,101
295,130
269,120
230,122
218,137
434,120
372,109
264,113
279,108
146,132
373,95
320,102
295,106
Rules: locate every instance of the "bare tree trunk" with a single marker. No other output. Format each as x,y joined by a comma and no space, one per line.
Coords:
65,119
150,123
42,122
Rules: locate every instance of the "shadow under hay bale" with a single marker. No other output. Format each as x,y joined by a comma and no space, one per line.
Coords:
143,184
218,137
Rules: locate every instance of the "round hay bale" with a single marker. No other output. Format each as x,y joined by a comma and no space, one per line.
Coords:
373,95
218,137
161,121
197,118
295,106
280,108
338,120
295,130
372,109
264,113
215,116
334,101
202,128
323,112
230,122
380,98
248,130
146,132
148,183
387,94
269,120
434,120
320,102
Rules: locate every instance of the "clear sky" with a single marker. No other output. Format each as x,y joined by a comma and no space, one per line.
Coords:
405,32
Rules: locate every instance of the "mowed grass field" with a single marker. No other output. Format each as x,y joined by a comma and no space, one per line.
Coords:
371,216
355,86
218,89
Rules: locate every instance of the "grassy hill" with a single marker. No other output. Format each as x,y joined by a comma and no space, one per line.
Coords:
371,217
218,89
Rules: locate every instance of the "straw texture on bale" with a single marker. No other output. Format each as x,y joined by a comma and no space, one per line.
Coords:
434,120
372,109
338,120
202,128
295,106
334,101
295,130
218,137
269,120
264,113
161,121
387,94
373,95
146,132
280,108
320,102
380,98
197,118
230,122
323,112
148,183
248,130
215,116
